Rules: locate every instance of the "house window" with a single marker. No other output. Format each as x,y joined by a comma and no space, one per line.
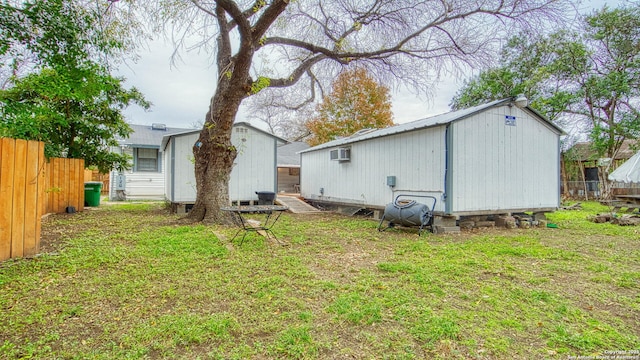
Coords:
147,160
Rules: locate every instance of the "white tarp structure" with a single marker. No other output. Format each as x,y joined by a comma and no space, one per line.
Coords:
628,172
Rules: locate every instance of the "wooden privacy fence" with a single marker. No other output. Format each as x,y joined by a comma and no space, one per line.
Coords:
22,183
30,187
65,185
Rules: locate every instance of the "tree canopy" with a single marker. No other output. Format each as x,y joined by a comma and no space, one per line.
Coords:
76,114
610,86
539,67
67,98
589,79
356,102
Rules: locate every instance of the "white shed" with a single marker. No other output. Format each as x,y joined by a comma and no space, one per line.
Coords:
490,159
254,168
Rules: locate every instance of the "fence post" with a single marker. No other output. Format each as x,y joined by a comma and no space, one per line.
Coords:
18,220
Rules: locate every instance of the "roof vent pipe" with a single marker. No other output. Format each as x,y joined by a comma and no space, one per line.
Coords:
521,101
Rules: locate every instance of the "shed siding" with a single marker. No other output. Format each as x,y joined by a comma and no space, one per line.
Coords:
167,155
492,166
416,159
255,165
254,168
184,180
145,186
497,166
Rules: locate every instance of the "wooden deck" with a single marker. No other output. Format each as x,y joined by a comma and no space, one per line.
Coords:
296,205
628,202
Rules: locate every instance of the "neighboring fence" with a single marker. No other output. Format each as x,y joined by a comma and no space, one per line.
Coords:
22,184
591,190
582,190
620,188
65,185
95,175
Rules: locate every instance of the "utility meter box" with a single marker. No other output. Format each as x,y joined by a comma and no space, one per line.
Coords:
121,182
391,181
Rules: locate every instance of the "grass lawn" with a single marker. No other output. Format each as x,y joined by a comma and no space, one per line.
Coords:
130,281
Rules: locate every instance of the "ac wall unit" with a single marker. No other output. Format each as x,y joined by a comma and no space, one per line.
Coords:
341,154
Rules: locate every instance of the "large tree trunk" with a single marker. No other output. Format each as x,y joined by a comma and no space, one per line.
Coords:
213,152
214,155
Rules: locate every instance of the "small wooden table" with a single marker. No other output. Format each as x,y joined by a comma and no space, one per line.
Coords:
241,214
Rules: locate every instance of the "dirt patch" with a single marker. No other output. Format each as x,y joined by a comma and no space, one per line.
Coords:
58,228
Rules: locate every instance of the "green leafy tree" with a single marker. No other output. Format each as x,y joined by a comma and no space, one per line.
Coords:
76,115
68,99
610,88
588,80
356,102
541,68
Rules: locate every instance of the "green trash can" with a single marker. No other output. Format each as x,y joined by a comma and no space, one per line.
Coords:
92,191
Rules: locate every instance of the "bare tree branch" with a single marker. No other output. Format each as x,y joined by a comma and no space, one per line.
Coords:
284,44
224,43
231,8
202,8
297,73
267,18
312,94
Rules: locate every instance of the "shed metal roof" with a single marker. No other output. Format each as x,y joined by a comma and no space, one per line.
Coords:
165,139
288,154
628,172
432,121
146,135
